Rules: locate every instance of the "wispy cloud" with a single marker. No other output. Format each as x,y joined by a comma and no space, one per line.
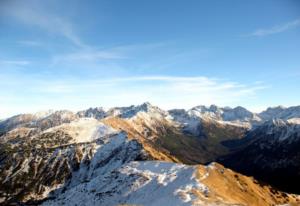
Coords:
29,43
276,29
164,91
14,62
76,54
84,57
107,58
32,13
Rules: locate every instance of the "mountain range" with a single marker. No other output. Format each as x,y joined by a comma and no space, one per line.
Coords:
143,155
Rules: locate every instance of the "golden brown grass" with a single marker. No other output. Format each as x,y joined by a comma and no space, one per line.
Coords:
233,188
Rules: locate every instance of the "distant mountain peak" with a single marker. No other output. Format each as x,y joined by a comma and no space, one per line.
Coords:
146,104
223,113
96,112
128,112
44,113
280,112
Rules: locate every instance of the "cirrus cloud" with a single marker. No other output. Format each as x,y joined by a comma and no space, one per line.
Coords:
276,29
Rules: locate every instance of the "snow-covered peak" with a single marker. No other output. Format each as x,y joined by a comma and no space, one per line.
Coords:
191,119
131,111
223,113
238,113
211,112
271,112
84,129
280,129
203,109
280,112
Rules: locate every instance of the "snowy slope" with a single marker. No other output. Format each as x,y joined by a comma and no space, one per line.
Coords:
280,113
33,166
84,129
238,116
152,183
140,183
41,120
129,112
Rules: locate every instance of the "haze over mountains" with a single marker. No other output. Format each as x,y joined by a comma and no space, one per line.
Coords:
118,156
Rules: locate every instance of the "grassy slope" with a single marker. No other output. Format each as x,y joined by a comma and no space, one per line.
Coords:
236,189
166,142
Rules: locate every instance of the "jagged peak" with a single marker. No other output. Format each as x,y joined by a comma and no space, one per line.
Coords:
147,104
203,108
214,107
94,112
128,112
223,113
274,109
280,112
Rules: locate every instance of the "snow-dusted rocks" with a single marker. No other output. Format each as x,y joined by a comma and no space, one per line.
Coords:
151,183
191,119
33,166
40,120
97,113
137,183
129,112
280,113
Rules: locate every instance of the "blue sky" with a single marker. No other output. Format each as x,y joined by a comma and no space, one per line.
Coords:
79,54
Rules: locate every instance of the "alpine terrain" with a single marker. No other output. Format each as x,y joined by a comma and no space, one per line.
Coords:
143,155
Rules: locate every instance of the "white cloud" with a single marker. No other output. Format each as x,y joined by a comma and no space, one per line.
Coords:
276,29
165,91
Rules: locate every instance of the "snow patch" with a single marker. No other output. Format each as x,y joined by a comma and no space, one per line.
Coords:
294,121
139,183
85,129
